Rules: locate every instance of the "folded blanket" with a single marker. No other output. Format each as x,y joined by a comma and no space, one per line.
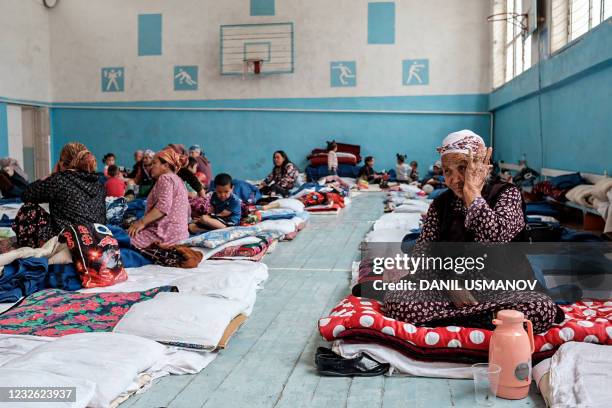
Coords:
213,239
601,189
22,278
578,376
581,195
56,313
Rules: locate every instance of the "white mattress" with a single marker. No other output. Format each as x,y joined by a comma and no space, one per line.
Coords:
401,364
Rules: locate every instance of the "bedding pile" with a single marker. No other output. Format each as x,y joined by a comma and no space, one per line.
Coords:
176,319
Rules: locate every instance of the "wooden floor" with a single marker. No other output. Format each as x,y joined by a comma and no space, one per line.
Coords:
270,361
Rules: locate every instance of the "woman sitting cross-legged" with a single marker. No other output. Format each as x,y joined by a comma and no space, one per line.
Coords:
474,209
74,193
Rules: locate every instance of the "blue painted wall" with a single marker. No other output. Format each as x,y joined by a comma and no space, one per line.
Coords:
242,142
262,7
149,34
559,112
381,23
3,131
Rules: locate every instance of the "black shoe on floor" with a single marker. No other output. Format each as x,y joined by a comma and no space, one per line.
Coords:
331,364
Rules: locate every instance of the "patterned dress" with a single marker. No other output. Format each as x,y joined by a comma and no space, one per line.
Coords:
281,180
169,196
74,198
434,307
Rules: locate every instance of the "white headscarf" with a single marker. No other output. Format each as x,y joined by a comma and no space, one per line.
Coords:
462,141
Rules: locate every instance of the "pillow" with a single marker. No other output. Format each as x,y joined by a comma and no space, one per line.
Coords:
213,239
112,361
401,221
96,254
229,284
284,226
20,378
277,214
115,209
182,319
290,203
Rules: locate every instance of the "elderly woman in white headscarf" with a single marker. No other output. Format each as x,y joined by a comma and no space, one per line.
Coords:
475,208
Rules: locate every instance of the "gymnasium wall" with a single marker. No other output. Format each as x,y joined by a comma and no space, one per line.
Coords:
559,112
240,122
24,58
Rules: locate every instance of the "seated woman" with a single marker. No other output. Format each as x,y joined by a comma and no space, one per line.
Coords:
184,173
167,213
282,178
203,164
74,193
13,180
143,178
473,209
434,176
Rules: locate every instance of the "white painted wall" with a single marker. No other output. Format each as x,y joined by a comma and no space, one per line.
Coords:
89,35
15,132
24,50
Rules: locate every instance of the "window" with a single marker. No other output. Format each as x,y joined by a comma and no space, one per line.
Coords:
573,18
515,57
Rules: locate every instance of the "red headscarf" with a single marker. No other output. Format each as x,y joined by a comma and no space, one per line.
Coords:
174,159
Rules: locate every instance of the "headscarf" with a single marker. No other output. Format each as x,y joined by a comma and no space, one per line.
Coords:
174,159
150,153
76,156
195,148
462,141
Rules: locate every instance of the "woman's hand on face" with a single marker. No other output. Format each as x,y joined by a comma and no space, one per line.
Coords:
202,193
462,298
476,172
135,228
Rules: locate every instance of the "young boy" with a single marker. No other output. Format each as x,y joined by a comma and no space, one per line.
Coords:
115,186
225,207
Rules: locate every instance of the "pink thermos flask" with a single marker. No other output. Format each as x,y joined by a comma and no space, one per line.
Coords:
511,348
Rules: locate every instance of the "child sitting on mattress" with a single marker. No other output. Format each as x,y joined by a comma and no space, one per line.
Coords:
225,207
402,170
414,172
368,174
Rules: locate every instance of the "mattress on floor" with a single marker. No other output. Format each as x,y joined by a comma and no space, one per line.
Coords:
106,368
578,375
362,318
400,363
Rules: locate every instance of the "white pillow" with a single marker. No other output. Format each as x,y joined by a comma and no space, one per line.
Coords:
181,319
385,235
235,285
291,204
284,226
112,361
19,378
401,221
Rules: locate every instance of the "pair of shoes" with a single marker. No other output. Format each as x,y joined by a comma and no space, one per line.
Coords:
331,364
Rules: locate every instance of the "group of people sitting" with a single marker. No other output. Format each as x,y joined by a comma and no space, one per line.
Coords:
172,180
473,208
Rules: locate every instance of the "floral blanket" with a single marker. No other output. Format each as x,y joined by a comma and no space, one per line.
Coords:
56,312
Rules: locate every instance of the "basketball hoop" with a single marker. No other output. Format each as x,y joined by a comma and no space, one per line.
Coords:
252,65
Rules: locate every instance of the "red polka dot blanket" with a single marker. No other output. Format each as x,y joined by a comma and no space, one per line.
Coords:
362,318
